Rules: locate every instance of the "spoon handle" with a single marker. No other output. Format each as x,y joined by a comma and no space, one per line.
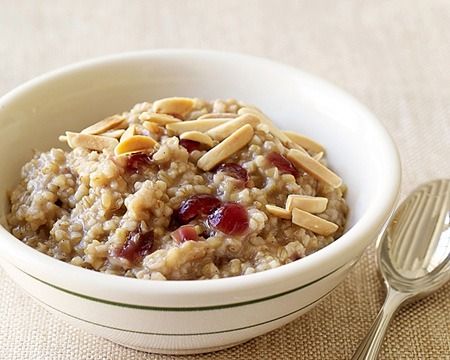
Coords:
371,344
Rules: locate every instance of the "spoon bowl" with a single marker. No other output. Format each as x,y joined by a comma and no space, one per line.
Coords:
414,251
413,256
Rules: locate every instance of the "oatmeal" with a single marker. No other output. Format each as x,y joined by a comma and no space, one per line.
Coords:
180,189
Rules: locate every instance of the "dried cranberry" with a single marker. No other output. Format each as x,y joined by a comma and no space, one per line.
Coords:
184,233
197,205
234,170
231,218
283,164
137,245
135,162
190,145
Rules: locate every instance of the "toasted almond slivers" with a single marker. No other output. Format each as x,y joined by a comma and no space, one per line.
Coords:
293,145
223,131
129,132
265,120
218,116
91,142
226,148
177,106
312,222
197,136
135,143
304,141
104,125
318,156
311,204
198,125
114,133
153,127
313,167
160,119
272,128
279,212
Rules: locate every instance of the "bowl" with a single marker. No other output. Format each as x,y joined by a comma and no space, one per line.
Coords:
205,315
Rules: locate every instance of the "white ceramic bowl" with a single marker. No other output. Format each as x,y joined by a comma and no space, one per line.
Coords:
195,316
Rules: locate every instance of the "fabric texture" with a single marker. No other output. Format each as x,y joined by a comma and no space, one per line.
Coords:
391,55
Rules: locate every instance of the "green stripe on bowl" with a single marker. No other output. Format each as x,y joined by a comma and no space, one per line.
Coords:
178,334
199,308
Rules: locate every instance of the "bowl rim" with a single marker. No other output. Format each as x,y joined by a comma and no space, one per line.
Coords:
346,248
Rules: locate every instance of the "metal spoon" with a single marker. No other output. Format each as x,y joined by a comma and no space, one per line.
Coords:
413,256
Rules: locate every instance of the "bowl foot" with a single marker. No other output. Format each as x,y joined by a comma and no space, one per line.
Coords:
181,351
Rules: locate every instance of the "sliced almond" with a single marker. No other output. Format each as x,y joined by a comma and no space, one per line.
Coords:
313,167
265,120
114,133
312,222
177,106
226,148
197,136
318,156
123,125
134,144
129,132
153,127
198,125
160,119
222,119
304,141
311,204
218,116
91,142
279,212
293,145
223,131
272,128
104,125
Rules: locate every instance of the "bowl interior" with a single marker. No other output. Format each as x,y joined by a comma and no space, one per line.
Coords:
33,116
358,148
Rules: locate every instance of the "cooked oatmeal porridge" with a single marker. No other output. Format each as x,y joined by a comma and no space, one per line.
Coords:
178,189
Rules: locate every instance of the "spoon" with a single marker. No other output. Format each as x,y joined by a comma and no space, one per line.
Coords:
413,256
